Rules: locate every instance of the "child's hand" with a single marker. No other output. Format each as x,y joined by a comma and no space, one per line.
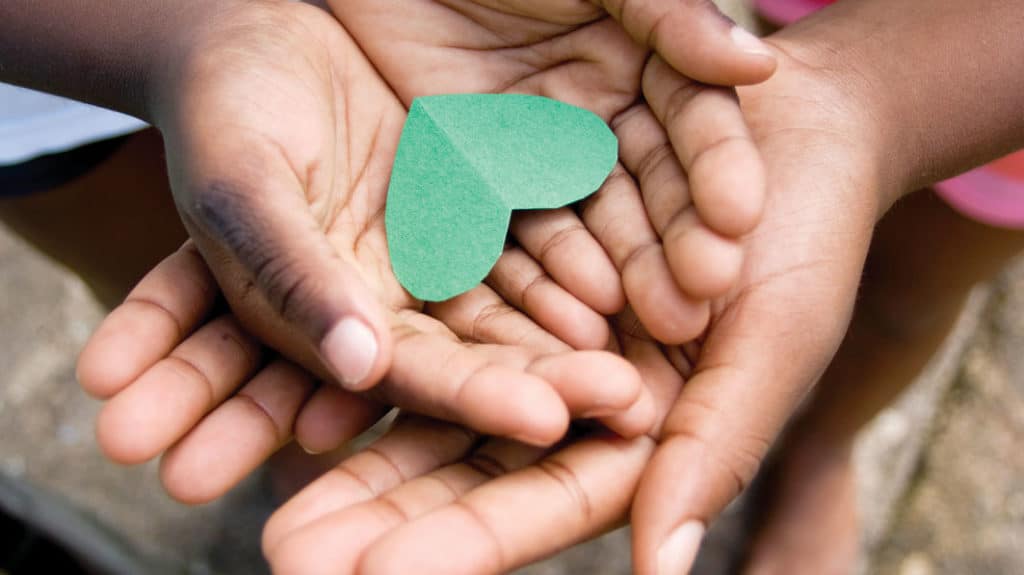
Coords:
495,508
445,503
280,147
575,52
201,390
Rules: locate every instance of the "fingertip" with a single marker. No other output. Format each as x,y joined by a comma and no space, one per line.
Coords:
638,420
182,482
544,416
588,329
113,358
728,186
332,417
704,264
591,383
756,62
668,315
508,402
292,556
355,353
96,375
622,382
120,435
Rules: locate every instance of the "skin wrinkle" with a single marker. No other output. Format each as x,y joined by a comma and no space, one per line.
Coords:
185,366
281,431
162,310
570,483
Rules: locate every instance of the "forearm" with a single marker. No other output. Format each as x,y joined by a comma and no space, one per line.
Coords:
944,79
107,52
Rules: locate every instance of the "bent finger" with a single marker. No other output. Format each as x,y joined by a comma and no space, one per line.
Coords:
163,404
158,314
238,436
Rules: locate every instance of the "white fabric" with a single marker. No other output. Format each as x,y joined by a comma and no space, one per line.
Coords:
34,124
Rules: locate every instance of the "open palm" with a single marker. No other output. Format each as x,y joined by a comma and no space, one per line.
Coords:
577,52
281,143
720,403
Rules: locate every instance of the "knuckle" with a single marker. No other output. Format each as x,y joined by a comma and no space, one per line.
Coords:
561,238
569,483
678,101
487,466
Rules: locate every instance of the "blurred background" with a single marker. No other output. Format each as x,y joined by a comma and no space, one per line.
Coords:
939,472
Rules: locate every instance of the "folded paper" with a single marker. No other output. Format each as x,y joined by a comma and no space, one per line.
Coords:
464,162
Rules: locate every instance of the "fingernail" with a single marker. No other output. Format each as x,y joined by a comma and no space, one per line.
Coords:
677,553
748,42
310,451
350,350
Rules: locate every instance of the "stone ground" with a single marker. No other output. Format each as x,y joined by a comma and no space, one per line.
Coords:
939,471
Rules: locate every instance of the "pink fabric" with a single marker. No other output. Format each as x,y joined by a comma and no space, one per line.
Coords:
989,194
788,11
992,194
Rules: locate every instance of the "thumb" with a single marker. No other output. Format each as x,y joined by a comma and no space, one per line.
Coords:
754,371
248,212
696,39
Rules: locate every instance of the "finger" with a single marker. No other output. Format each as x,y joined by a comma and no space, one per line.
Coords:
729,413
165,402
571,256
332,417
238,436
353,529
518,518
618,218
703,263
157,315
598,385
695,38
437,377
481,315
267,249
520,281
413,447
712,141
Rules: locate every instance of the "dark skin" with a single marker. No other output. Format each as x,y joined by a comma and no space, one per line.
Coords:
770,339
813,287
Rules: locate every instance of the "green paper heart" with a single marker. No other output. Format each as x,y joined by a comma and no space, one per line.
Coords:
464,162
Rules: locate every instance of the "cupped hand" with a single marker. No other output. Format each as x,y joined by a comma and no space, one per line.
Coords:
490,508
280,145
577,52
431,497
774,333
188,382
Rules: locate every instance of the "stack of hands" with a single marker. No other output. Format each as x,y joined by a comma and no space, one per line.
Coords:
683,311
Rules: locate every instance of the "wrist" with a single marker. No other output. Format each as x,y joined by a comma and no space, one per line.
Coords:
870,123
186,32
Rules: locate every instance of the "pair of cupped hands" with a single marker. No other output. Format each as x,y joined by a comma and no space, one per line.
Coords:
687,306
